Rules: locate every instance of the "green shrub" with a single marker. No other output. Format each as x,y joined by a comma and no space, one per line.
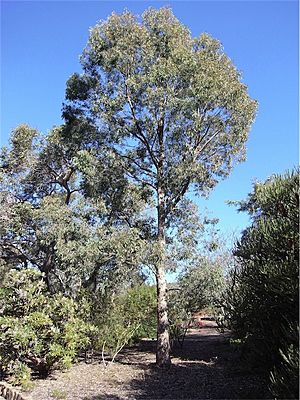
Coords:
201,285
38,331
284,377
139,306
261,305
21,374
129,317
198,288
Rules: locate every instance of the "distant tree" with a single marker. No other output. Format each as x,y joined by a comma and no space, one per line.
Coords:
201,285
171,108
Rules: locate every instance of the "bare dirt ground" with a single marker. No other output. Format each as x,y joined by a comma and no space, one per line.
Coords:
206,367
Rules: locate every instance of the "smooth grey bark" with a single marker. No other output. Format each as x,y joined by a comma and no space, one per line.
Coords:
163,341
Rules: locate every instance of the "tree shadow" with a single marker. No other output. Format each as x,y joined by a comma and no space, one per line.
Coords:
209,369
206,367
189,381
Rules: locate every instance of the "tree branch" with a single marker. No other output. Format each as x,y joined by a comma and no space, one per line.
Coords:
175,200
185,185
140,136
146,170
207,143
131,175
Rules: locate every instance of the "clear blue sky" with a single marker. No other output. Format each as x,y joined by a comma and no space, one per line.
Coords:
41,42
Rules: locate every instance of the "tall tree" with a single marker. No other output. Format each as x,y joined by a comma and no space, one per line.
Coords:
171,108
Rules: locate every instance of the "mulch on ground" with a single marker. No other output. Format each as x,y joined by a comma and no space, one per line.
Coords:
205,367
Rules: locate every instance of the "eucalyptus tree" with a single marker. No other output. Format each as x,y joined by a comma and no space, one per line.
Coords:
201,285
46,222
171,108
37,180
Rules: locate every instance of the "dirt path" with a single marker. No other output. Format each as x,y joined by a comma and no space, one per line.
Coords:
206,367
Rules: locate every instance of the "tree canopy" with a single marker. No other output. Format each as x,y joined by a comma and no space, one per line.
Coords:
148,84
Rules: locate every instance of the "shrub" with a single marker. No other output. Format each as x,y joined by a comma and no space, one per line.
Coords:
139,306
261,306
284,376
129,317
38,331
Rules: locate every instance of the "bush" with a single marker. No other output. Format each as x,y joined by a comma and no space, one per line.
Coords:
284,376
261,306
139,306
38,331
129,317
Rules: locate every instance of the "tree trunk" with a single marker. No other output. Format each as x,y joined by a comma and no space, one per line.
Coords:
163,341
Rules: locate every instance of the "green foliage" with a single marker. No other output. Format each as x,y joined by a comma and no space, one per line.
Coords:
179,317
199,287
21,374
139,306
284,376
128,317
49,221
262,303
38,332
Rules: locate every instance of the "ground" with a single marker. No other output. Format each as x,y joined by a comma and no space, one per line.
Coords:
206,367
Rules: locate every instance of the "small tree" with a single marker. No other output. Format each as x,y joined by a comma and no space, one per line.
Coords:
201,286
170,108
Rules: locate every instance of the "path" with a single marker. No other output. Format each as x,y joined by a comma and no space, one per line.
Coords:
206,367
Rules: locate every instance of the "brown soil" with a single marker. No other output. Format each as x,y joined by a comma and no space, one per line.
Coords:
206,367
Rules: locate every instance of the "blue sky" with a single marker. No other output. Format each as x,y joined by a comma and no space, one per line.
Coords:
41,42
